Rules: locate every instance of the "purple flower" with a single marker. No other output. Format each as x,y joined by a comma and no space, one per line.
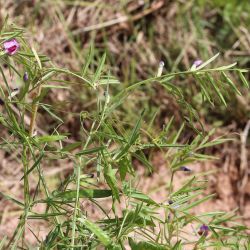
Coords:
197,63
185,169
25,76
204,230
11,46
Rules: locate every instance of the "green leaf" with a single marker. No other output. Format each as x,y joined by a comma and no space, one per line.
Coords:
140,196
203,89
142,158
7,197
89,59
182,199
222,228
91,150
178,164
222,68
145,245
16,34
178,245
73,74
230,83
132,219
123,167
243,79
35,164
195,203
52,114
214,142
55,86
184,187
2,242
99,70
110,178
137,218
99,233
41,57
52,236
133,137
71,146
108,80
51,138
86,193
216,88
44,216
37,57
207,62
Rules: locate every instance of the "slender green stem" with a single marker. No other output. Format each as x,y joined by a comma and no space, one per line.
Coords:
171,183
78,172
34,112
26,181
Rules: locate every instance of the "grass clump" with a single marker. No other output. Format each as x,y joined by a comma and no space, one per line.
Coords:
104,158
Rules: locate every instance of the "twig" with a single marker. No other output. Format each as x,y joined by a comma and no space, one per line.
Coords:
34,112
155,6
243,162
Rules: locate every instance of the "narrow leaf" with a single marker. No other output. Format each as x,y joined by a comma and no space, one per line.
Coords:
243,79
99,70
51,138
99,233
217,90
230,83
34,165
91,150
37,57
86,193
207,62
71,146
110,178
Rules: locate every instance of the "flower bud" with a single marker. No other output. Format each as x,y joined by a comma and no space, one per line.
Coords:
160,68
25,76
185,169
196,64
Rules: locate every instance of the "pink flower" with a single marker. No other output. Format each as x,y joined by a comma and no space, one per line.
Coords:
197,63
11,46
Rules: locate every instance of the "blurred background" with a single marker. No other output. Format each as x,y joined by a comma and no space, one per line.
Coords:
137,35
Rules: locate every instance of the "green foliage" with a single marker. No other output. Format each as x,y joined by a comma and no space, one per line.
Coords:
109,145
